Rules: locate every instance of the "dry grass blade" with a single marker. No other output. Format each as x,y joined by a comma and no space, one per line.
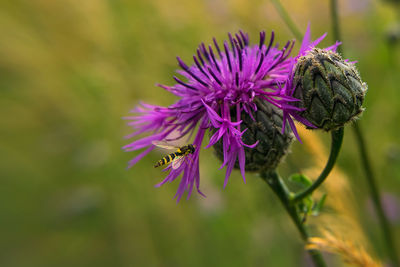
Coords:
350,253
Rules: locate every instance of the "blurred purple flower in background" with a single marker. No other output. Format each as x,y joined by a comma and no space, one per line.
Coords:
391,207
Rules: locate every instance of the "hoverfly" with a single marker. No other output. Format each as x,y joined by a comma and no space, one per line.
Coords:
175,157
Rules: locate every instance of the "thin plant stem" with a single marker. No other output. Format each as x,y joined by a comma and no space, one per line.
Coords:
278,186
370,177
336,143
335,24
375,196
285,16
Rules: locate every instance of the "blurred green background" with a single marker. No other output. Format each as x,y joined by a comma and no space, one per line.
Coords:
70,70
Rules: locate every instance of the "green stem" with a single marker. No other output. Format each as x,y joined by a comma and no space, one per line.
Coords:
371,180
335,24
280,189
375,195
337,138
285,16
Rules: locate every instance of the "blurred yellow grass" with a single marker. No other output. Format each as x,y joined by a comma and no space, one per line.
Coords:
345,247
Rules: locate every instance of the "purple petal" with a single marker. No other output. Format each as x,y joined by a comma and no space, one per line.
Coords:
212,115
216,136
306,39
242,160
231,164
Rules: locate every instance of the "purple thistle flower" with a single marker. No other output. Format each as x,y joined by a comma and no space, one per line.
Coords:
219,81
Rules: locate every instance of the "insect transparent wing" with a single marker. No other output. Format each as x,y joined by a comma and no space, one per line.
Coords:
164,145
177,162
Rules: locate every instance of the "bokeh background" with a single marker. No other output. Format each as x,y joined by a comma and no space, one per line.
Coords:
70,70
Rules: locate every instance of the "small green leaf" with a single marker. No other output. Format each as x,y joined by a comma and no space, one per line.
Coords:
309,203
319,205
305,207
301,179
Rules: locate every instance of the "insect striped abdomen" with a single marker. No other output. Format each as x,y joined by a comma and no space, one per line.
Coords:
167,159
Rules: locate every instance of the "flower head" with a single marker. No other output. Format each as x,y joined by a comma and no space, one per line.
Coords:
223,83
293,109
329,89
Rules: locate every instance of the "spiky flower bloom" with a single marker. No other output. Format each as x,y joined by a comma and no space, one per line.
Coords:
329,88
220,89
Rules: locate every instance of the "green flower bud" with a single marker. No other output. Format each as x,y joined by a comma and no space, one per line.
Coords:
266,128
330,89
